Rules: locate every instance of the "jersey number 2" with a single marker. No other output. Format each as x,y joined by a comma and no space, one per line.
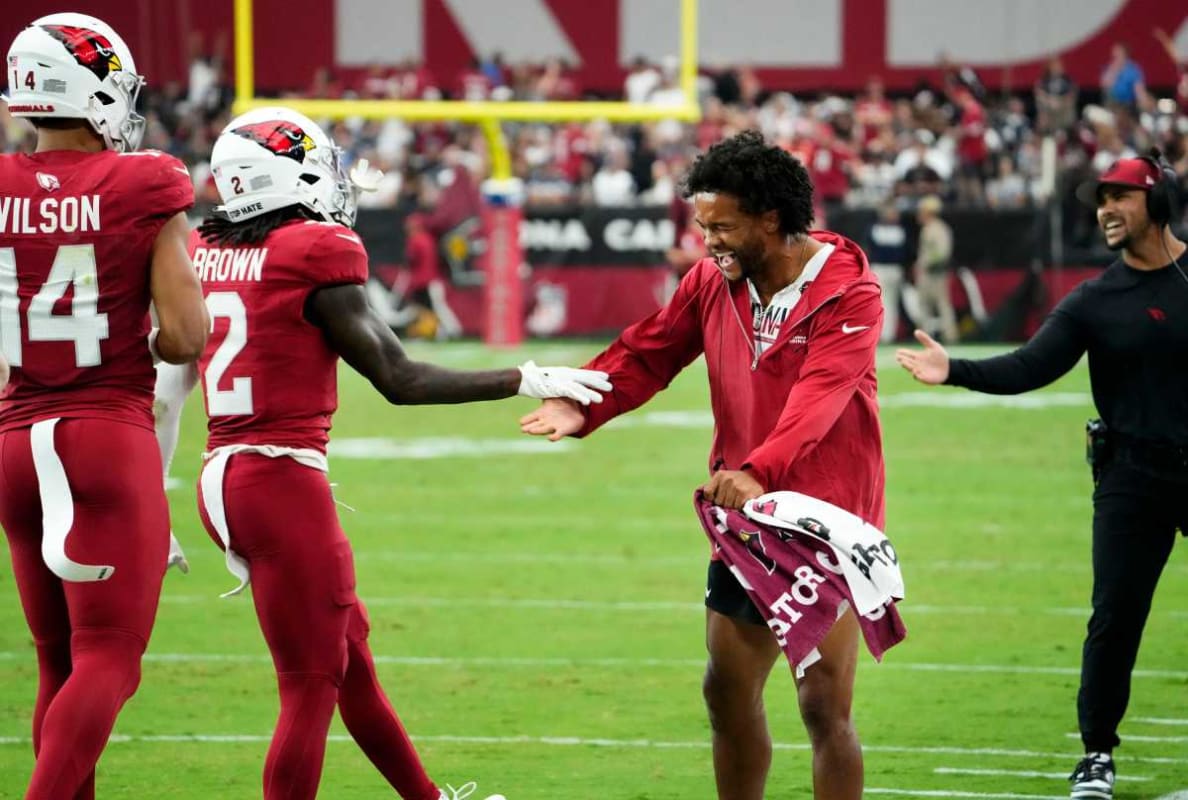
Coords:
238,399
74,266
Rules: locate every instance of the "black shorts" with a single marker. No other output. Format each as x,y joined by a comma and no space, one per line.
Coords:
724,594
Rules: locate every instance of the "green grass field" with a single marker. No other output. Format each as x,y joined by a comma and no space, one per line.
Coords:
537,611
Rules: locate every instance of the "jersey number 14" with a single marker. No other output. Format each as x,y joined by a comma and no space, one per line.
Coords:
74,266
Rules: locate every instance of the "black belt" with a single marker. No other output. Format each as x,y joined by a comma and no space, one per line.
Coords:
1154,454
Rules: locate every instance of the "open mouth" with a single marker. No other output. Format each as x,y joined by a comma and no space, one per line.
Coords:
1114,227
725,260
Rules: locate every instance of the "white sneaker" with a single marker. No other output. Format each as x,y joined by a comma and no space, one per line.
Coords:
1093,779
464,791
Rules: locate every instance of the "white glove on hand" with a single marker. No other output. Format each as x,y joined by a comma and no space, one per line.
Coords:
574,384
177,558
366,177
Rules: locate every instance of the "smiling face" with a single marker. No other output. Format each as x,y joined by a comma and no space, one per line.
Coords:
738,241
1122,215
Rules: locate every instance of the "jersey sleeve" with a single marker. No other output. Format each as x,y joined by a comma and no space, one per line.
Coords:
337,256
164,182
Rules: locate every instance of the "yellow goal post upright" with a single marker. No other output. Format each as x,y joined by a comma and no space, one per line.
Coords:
489,115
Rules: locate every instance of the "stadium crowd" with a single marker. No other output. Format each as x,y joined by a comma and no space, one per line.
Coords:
950,137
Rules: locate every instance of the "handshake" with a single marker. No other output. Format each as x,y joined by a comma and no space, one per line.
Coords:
566,382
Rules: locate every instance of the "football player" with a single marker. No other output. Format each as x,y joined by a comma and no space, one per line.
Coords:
284,274
90,231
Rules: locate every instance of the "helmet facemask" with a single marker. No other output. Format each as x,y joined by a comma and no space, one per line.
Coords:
116,111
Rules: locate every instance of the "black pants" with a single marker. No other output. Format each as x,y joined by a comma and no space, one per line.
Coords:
1135,515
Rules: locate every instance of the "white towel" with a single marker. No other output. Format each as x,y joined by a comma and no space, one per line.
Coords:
867,558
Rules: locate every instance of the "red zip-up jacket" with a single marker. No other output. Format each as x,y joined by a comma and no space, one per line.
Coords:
804,415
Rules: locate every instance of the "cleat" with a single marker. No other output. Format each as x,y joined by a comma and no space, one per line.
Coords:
1093,779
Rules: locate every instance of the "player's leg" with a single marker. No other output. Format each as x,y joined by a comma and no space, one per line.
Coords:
948,314
282,520
41,593
826,693
120,518
1133,533
742,651
372,721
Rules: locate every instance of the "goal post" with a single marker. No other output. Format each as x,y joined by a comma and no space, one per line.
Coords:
489,116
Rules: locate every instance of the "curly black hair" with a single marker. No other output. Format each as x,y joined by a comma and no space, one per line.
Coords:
218,230
761,176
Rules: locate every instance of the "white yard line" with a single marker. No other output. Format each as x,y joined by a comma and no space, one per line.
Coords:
669,605
631,663
633,744
1159,721
579,741
1013,773
959,793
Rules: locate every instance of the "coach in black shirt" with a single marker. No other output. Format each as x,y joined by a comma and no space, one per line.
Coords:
1132,320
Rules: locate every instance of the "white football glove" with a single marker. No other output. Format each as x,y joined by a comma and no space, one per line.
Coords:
574,384
177,557
365,177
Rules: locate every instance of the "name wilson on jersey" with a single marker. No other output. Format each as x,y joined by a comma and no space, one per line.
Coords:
222,264
50,215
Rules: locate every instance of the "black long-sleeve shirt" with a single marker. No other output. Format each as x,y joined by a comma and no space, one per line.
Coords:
1134,325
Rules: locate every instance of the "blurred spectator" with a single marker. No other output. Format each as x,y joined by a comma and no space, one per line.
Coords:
455,221
474,83
934,255
495,70
612,184
641,81
922,168
1007,189
1122,78
872,111
972,151
688,243
886,246
954,76
1181,63
1055,99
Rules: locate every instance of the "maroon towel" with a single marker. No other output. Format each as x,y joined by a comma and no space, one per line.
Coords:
794,581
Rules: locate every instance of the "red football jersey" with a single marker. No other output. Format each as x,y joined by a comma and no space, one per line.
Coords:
268,375
76,238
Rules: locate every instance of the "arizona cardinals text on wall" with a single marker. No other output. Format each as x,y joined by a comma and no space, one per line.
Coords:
50,214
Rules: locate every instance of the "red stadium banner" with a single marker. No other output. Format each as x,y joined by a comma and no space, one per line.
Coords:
818,46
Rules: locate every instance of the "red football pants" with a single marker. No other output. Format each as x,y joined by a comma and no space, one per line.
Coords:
281,519
89,636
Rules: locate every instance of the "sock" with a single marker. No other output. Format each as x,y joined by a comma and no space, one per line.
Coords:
377,730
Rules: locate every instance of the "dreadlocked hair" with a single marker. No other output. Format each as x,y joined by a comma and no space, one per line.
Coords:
760,176
218,230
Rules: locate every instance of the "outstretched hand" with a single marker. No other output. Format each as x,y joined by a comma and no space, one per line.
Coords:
930,365
574,384
555,419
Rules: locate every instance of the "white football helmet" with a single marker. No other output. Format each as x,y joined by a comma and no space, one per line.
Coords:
270,158
75,66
